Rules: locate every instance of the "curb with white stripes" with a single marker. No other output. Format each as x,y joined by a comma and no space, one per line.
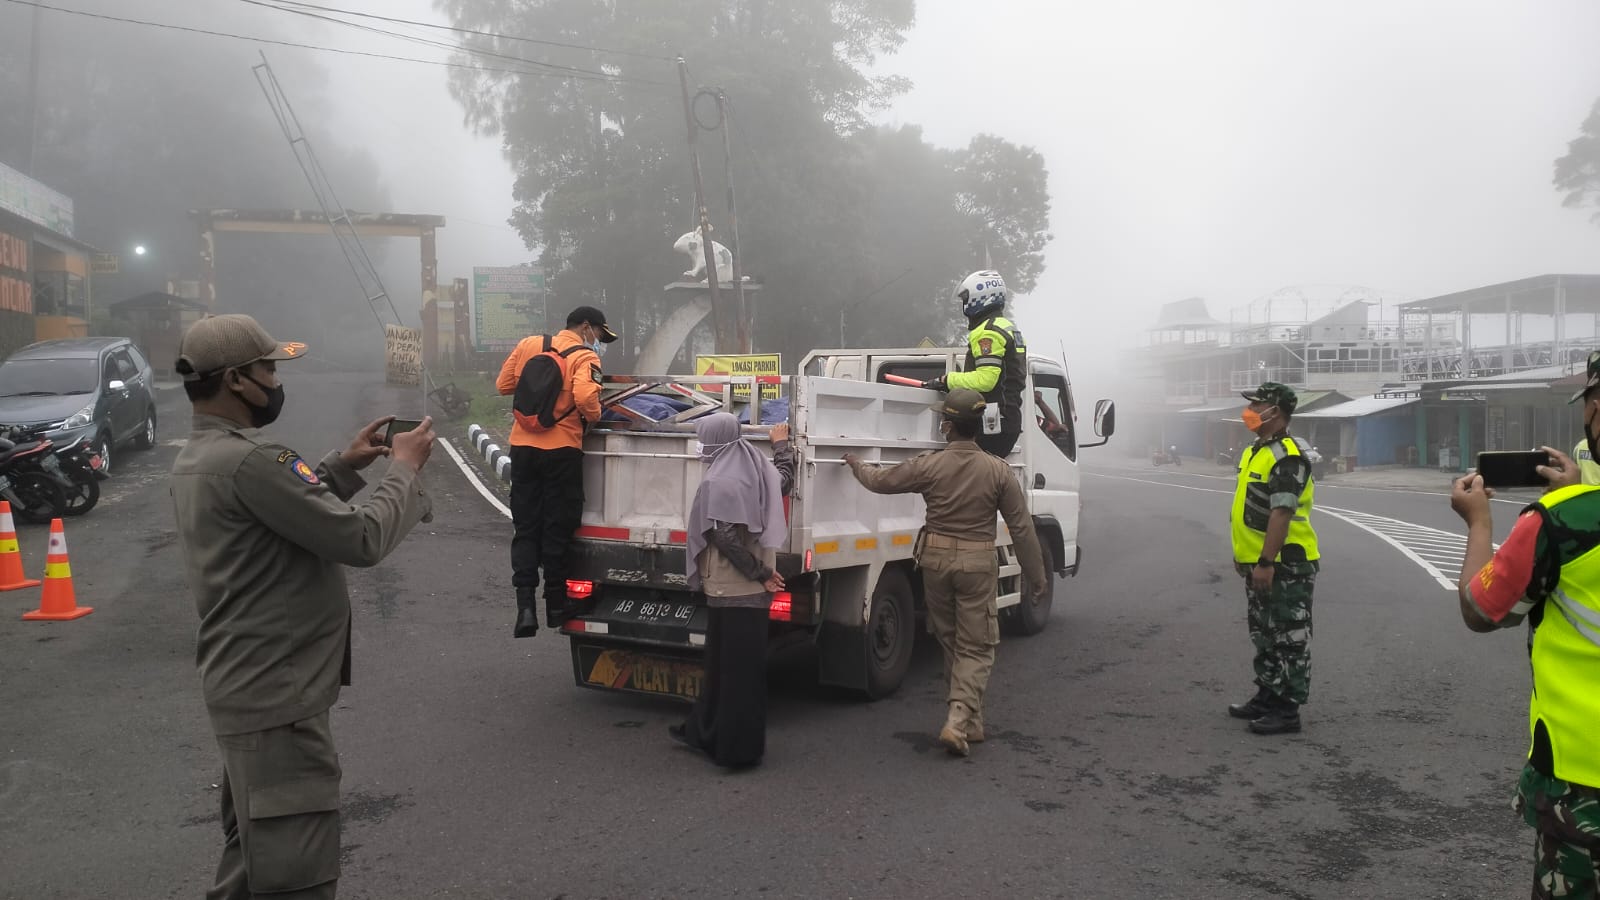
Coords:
499,460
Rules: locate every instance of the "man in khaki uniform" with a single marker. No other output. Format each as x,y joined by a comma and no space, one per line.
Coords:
265,537
963,487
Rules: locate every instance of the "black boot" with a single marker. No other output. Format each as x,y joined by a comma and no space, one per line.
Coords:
1254,708
527,616
556,612
1282,718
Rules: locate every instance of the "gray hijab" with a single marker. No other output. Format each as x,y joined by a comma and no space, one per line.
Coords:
740,486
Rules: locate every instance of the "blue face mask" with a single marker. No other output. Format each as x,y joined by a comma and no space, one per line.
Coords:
598,347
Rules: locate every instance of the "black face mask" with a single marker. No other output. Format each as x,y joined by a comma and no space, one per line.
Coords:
262,416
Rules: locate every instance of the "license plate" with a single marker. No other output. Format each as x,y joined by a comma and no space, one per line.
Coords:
625,670
650,612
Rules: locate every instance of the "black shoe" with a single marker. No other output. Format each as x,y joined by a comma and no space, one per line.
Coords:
527,623
1254,708
1282,718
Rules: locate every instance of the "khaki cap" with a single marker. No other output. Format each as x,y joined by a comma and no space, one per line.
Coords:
228,342
962,403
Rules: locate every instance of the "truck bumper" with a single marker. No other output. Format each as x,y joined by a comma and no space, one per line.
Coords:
655,671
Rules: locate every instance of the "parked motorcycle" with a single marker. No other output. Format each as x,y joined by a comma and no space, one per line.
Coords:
1163,457
1228,457
75,468
34,496
1319,466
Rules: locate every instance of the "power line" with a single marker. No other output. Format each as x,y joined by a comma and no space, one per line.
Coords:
506,37
307,10
281,43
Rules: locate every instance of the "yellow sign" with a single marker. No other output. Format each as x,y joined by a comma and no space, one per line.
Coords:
767,365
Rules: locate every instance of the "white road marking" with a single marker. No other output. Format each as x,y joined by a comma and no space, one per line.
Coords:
1437,552
473,477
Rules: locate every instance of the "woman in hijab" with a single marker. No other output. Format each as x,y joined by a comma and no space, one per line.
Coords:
736,524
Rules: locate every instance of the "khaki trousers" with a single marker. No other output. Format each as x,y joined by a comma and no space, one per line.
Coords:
959,590
280,813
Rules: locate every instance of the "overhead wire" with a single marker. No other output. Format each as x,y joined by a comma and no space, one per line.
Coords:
474,31
36,4
310,11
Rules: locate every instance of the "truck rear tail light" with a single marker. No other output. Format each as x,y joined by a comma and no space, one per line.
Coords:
580,590
782,607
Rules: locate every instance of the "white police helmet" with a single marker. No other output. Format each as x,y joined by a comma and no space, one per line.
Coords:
981,292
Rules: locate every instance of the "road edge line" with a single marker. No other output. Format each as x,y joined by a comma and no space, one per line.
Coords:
473,477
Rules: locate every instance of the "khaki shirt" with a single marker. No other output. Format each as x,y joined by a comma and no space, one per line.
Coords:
265,537
963,487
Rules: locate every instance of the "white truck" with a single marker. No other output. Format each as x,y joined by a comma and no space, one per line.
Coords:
852,588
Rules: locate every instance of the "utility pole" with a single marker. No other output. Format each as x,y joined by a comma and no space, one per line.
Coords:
718,319
746,315
33,96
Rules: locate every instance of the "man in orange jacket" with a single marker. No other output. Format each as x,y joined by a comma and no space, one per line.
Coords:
547,466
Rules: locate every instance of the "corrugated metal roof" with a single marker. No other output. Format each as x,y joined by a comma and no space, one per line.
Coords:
1355,409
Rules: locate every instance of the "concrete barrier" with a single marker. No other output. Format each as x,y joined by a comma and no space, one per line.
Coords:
499,461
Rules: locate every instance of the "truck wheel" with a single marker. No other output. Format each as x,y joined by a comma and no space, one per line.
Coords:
1030,618
891,634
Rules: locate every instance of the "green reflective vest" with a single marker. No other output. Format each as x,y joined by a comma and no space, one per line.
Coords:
1565,654
1252,507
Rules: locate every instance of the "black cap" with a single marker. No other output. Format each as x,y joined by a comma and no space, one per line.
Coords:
1594,376
588,315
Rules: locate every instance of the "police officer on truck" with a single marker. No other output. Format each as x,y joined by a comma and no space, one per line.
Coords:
997,364
963,487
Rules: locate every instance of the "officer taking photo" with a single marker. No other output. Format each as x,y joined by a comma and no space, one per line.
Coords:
1548,571
265,537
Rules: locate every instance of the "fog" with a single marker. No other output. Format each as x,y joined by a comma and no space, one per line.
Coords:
1222,150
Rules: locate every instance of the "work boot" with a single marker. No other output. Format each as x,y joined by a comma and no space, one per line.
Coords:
557,610
1282,717
1254,708
527,616
975,728
954,733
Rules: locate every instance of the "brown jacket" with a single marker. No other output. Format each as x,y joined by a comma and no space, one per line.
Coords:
581,394
265,539
963,487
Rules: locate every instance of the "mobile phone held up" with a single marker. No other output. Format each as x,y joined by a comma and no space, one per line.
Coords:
399,426
1512,468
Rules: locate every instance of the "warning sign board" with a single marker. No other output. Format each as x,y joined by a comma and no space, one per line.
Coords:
766,364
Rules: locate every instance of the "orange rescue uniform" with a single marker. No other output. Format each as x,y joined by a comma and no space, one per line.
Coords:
582,389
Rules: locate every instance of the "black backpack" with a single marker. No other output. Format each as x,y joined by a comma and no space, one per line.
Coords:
539,384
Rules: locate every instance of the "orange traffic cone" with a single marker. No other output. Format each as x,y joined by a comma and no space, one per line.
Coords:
12,578
58,603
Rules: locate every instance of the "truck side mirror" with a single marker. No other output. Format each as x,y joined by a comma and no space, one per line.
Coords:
1105,421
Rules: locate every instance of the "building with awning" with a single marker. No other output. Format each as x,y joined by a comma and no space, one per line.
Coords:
44,269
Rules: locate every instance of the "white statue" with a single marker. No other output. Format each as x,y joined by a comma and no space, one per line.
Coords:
690,244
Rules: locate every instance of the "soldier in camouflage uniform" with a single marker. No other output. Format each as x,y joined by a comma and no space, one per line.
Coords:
1548,571
1275,551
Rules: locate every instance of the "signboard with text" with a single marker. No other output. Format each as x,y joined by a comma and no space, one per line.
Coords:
24,197
766,364
402,354
508,304
104,263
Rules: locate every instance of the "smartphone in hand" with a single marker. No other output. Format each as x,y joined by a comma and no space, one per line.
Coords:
1512,468
399,426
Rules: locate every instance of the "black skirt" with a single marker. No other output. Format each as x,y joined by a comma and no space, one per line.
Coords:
729,720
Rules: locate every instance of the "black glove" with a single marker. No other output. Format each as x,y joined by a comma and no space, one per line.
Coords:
936,384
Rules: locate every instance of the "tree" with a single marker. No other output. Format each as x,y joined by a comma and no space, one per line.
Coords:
855,230
1003,190
1578,173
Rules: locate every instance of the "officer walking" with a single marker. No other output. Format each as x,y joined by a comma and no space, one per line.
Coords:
1547,570
265,538
963,487
997,364
1275,550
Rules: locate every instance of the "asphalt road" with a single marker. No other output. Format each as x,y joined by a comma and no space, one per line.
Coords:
475,769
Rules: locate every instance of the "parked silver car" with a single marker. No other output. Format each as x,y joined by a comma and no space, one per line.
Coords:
99,387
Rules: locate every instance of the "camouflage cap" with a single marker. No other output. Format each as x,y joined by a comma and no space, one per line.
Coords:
1280,395
1594,376
962,404
225,342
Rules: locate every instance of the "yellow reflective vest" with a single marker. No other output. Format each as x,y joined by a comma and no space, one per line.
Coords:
1565,653
1252,506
